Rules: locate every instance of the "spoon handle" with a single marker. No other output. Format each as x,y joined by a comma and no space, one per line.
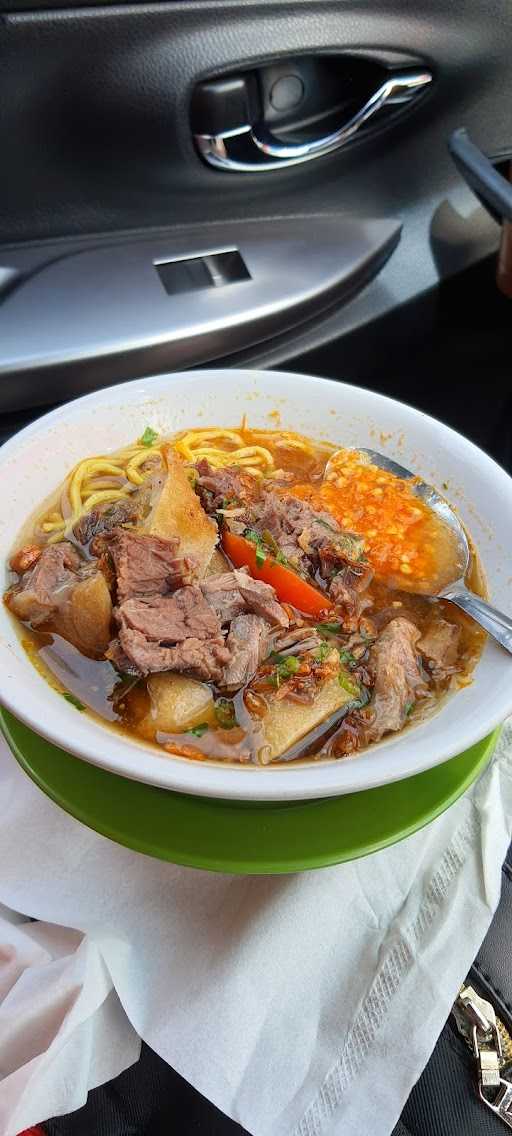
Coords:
495,622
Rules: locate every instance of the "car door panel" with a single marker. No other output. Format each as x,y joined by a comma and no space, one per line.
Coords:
97,138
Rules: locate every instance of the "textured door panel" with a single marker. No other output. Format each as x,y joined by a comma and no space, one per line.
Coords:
95,131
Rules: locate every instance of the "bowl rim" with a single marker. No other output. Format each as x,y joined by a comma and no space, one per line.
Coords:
215,779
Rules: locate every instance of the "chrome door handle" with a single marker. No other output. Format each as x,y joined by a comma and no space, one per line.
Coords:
220,150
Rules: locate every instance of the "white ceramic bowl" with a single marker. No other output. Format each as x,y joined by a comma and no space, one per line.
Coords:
35,461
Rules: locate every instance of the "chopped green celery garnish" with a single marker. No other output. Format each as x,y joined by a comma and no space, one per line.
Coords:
149,436
73,700
348,684
199,730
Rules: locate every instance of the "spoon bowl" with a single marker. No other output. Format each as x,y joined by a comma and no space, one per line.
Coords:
453,586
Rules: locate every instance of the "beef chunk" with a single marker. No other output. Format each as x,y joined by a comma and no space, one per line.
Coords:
234,592
223,596
148,624
69,592
398,679
145,565
247,642
44,588
170,618
105,518
439,645
204,659
216,486
260,598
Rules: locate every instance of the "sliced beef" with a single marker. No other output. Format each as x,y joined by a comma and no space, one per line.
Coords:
105,518
216,487
44,587
439,645
145,565
260,598
204,659
223,596
234,592
183,571
398,681
170,618
148,625
298,641
247,643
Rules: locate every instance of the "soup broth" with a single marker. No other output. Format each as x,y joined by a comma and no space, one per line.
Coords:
222,593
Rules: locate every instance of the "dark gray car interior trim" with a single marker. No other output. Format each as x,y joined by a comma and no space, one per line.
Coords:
96,139
104,313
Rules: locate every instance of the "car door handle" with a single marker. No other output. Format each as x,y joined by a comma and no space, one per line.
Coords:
399,87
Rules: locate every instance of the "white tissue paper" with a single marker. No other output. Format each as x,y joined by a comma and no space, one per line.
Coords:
301,1005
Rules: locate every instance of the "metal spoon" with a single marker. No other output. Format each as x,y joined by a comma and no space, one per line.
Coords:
495,622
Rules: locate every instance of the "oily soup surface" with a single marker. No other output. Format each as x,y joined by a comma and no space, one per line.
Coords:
222,593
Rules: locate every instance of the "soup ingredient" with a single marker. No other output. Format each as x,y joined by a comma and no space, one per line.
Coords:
400,531
177,513
85,619
225,713
293,623
176,704
297,641
181,631
301,531
348,579
213,444
247,641
440,644
398,681
93,486
147,625
290,587
224,595
285,723
232,593
70,592
73,700
25,558
289,536
44,587
144,565
260,597
218,488
167,619
105,518
137,655
149,436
